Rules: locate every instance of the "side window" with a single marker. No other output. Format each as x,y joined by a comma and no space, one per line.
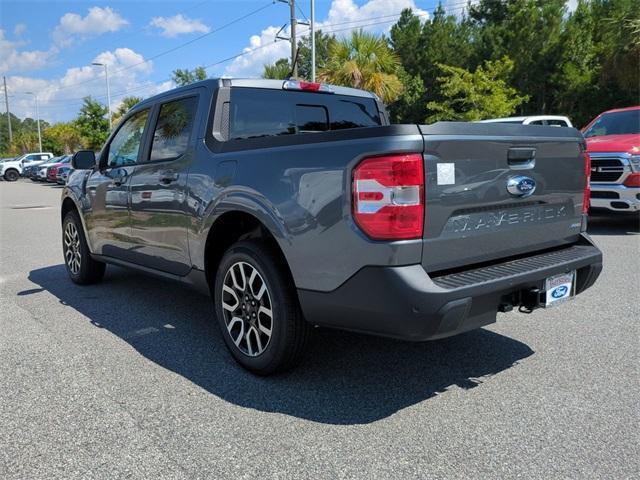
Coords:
173,130
557,123
125,146
30,158
537,122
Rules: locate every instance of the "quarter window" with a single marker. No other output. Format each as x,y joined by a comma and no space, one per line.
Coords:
173,130
125,146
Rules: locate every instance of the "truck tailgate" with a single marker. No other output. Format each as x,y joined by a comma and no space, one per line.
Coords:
471,215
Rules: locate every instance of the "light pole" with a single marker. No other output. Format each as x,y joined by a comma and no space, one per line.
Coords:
106,75
37,119
313,41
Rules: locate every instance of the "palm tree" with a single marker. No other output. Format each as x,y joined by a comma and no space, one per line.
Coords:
278,71
364,61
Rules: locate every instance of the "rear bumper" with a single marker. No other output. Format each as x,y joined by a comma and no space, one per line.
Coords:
405,302
615,197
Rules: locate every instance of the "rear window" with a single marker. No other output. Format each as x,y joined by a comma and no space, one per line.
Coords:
258,113
173,129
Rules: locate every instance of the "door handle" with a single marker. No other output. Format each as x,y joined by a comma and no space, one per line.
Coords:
118,181
521,158
168,177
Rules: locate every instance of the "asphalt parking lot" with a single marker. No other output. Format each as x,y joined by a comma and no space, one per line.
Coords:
130,379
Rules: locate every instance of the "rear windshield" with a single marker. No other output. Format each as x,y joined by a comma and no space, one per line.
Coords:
259,112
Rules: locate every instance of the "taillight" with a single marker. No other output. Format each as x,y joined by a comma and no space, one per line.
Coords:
632,180
388,196
587,185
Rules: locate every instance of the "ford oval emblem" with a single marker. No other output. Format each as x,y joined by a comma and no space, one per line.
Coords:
560,292
521,186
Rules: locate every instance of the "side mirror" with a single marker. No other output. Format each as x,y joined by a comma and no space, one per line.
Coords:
83,160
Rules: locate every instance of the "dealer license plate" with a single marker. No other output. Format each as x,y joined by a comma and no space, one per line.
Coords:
559,288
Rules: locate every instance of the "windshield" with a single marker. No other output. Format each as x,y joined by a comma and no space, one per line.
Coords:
615,123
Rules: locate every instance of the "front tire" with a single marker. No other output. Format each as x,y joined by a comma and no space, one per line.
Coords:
257,309
82,269
11,175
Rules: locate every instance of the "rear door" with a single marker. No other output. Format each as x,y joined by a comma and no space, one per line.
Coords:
496,190
159,218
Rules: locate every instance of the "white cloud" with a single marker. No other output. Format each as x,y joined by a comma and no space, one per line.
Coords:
178,25
97,21
344,16
19,29
13,60
61,98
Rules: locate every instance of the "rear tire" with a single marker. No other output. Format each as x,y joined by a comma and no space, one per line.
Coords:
257,309
11,175
82,269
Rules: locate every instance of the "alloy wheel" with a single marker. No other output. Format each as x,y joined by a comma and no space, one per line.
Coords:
247,307
72,253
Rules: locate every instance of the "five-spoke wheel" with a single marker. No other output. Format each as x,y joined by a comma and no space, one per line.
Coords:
247,308
81,267
71,248
257,308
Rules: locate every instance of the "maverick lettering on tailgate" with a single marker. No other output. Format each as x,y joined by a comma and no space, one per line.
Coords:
503,219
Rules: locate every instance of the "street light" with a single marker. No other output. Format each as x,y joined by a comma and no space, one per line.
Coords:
313,41
106,74
37,119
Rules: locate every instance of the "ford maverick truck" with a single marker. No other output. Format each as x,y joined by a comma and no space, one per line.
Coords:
296,205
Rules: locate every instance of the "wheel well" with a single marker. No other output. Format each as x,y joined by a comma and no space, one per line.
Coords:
230,228
67,206
11,169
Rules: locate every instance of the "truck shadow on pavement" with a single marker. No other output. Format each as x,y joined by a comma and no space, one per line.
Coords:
345,379
614,224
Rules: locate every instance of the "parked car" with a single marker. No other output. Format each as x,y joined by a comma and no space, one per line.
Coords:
11,170
613,143
63,174
52,170
548,120
296,204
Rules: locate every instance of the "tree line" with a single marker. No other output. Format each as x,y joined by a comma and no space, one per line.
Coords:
499,58
89,129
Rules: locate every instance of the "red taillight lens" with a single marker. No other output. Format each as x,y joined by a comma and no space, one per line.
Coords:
633,180
388,196
587,186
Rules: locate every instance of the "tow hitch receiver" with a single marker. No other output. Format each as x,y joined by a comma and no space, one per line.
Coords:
530,300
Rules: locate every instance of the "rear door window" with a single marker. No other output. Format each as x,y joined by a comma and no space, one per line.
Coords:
256,113
173,129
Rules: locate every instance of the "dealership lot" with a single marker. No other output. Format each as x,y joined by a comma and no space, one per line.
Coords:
131,378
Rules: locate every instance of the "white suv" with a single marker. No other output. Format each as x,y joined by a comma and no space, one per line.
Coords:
11,170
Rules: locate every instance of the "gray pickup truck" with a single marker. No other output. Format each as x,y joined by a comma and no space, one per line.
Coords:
297,204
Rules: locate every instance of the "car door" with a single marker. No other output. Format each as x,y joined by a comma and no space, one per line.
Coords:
159,218
107,220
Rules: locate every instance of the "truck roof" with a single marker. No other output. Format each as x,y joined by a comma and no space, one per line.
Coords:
214,83
526,117
624,109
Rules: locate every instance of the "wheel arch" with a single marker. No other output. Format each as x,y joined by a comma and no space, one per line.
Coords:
69,204
231,227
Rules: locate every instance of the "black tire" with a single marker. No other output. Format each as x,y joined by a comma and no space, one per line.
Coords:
11,175
82,269
290,333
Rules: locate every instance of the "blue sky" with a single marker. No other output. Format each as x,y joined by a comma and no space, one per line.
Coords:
47,47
